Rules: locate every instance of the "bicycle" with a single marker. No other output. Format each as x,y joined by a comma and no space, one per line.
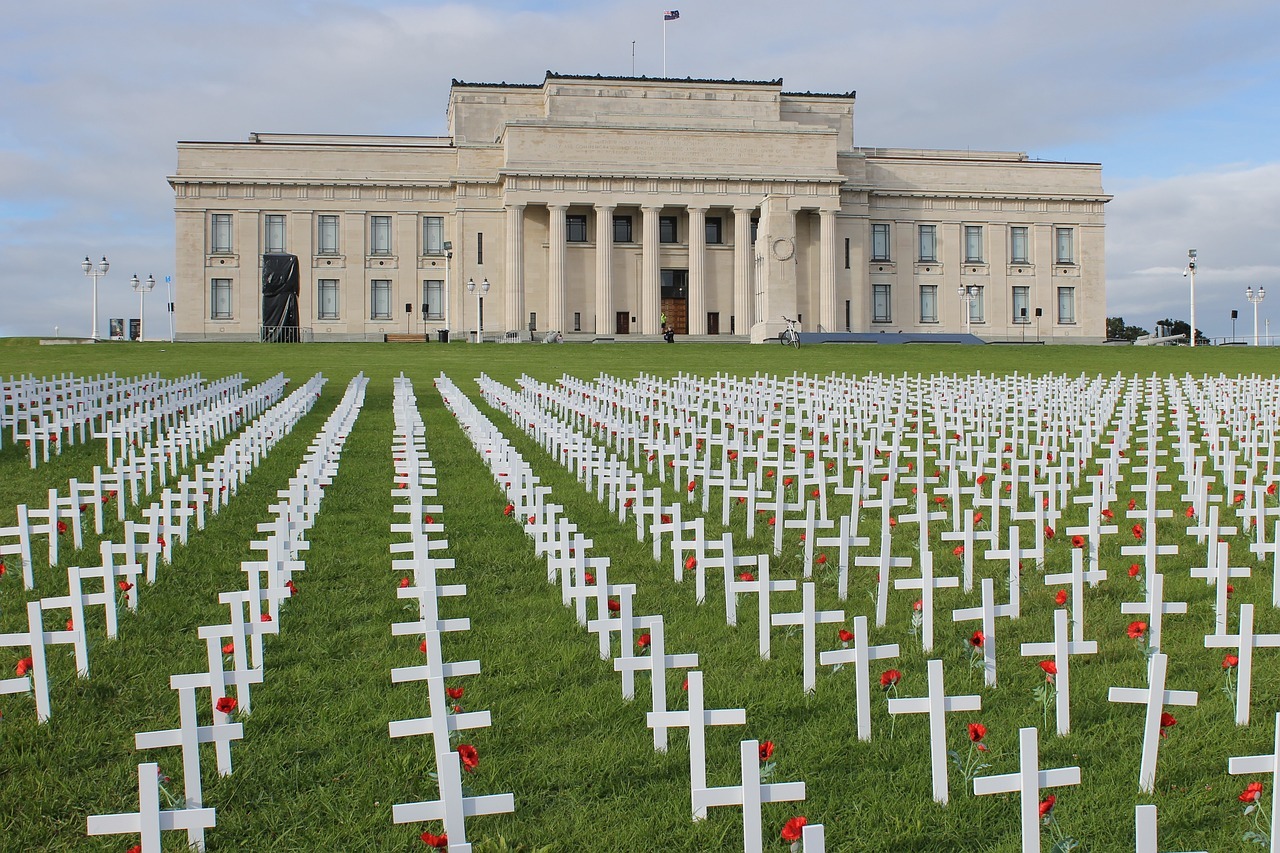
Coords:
790,336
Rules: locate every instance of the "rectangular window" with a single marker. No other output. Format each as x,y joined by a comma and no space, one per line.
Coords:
755,228
973,244
880,241
220,299
715,231
479,247
881,307
575,228
977,304
533,321
846,253
327,234
667,232
273,237
622,229
1018,253
1021,304
379,235
577,321
929,243
380,299
928,303
433,299
1065,240
1066,304
327,299
220,234
433,235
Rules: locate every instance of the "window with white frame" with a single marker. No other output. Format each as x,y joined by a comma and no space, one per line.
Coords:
380,299
220,234
1064,239
881,304
880,241
327,299
220,299
1066,304
929,243
327,234
433,298
977,304
273,234
1018,245
433,235
973,244
1021,304
928,303
379,235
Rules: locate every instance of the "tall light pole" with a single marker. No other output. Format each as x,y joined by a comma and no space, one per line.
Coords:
1191,272
95,272
1256,299
967,294
142,288
448,256
478,291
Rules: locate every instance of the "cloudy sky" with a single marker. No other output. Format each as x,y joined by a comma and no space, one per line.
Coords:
1179,101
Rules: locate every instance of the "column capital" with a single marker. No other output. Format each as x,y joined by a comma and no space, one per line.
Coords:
605,206
742,211
557,205
515,205
654,207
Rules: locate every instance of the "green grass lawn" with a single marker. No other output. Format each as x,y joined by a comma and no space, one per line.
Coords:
317,770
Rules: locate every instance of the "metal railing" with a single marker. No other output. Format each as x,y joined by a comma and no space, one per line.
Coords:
285,334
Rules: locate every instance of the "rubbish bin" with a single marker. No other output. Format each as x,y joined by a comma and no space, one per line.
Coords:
443,336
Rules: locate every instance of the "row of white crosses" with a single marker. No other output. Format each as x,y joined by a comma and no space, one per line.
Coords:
254,613
123,566
147,460
565,551
415,480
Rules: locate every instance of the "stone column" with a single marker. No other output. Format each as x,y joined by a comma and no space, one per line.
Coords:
515,268
697,307
743,262
556,242
827,270
650,274
605,319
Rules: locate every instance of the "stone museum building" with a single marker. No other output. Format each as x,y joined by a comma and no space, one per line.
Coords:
600,206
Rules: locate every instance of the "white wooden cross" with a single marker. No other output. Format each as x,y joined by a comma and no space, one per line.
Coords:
1218,575
1244,642
1144,817
937,705
1155,697
846,539
696,719
656,663
1155,607
1149,550
439,723
1027,783
809,525
452,807
730,563
1077,577
751,794
1013,554
987,612
1268,763
36,639
150,820
764,587
809,618
624,624
926,583
966,539
860,653
21,547
1062,650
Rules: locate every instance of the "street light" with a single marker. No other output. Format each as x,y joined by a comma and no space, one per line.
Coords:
483,289
1256,299
95,272
967,294
142,288
448,256
1191,271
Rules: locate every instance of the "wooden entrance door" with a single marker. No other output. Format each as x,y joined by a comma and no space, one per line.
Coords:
677,312
713,322
623,323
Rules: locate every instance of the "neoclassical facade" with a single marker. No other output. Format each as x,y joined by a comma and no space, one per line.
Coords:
602,206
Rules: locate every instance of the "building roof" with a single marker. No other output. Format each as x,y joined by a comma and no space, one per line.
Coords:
553,75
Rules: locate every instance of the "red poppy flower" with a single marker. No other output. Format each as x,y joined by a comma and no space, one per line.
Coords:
24,666
62,527
1046,805
1238,498
266,617
643,640
1136,629
404,583
1271,489
977,731
1132,503
1050,668
977,640
1048,532
629,502
137,848
766,750
469,757
793,830
693,484
1167,721
815,493
1230,661
977,518
893,522
509,509
454,693
422,647
1252,793
588,577
1191,512
125,586
890,677
1106,513
2,568
427,519
440,842
822,559
1077,541
228,648
666,519
957,551
1137,531
1060,598
690,563
746,576
226,704
846,635
292,587
614,605
1134,570
982,479
160,539
773,520
918,605
685,685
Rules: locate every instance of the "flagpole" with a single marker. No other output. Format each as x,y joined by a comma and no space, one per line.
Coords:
664,45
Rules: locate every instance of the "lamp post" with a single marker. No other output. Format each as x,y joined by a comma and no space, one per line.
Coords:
1190,271
479,292
448,256
1256,299
967,294
142,288
95,272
